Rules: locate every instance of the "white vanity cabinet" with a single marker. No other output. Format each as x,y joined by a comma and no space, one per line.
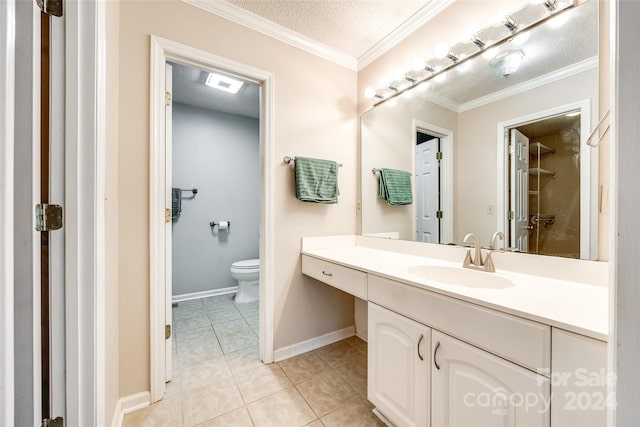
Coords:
579,381
471,387
399,366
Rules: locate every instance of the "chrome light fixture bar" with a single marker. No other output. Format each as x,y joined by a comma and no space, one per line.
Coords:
553,10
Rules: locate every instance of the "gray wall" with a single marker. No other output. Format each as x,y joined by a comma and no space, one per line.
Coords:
217,153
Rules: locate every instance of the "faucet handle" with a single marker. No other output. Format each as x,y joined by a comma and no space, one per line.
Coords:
467,259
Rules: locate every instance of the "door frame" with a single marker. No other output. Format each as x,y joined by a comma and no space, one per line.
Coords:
446,174
163,50
588,175
7,84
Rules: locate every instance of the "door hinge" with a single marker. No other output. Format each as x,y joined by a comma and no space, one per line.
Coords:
48,217
56,422
167,98
511,149
512,215
167,215
167,332
439,155
439,214
50,7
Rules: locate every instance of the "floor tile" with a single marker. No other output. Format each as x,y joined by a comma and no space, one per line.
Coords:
358,343
326,392
210,401
286,408
316,423
167,412
235,335
198,350
244,360
258,383
222,314
219,300
356,413
304,367
197,334
238,418
338,353
202,373
190,323
355,372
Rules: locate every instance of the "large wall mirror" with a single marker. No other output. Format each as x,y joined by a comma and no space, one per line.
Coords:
494,148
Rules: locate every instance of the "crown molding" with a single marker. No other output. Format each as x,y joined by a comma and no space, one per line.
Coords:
562,73
251,20
442,101
407,28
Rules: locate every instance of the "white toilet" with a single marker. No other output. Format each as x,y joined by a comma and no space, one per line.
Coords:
247,273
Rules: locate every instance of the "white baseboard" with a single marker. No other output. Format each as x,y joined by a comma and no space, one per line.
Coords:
204,294
312,344
128,404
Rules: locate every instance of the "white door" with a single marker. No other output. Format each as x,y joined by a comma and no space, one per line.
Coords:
519,190
168,223
398,367
470,387
427,192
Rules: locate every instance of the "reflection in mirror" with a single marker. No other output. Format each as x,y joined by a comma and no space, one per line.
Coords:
453,137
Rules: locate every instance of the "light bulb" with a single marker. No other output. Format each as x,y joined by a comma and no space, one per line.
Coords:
418,64
536,1
384,82
369,92
498,18
398,75
441,50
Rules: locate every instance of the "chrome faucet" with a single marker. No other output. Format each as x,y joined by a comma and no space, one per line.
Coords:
476,262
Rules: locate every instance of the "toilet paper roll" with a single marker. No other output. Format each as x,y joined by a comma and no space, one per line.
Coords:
223,225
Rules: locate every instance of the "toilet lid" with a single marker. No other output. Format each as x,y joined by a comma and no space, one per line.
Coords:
249,263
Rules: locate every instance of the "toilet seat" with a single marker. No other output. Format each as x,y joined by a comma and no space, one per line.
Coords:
247,264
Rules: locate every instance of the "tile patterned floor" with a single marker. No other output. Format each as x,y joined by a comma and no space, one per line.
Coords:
218,379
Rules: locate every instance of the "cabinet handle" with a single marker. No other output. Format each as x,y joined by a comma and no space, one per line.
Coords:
327,274
419,341
435,353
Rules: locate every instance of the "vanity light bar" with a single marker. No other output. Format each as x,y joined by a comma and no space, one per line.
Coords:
552,7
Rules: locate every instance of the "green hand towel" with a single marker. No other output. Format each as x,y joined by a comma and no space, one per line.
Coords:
316,180
395,187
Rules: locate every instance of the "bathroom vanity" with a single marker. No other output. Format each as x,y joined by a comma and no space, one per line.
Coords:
447,346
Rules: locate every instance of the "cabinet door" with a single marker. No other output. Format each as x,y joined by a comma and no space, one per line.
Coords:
473,388
398,367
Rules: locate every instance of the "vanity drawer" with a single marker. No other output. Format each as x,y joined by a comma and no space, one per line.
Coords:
519,340
351,281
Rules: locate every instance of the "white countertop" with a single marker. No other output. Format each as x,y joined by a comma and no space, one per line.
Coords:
574,306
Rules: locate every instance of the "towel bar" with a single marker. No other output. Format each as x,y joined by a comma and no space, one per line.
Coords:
289,160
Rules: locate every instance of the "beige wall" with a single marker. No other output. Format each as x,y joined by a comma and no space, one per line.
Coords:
315,115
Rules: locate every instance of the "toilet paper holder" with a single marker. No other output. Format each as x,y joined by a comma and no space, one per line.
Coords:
215,224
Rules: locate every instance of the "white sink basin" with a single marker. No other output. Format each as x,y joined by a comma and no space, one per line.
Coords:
461,277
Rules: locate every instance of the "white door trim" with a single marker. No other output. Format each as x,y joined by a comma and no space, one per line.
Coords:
7,84
588,175
85,125
163,50
446,174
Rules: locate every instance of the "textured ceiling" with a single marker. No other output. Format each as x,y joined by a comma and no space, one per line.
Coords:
189,88
350,26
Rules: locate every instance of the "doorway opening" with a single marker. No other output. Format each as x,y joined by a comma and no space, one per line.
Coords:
427,177
199,204
215,215
549,200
